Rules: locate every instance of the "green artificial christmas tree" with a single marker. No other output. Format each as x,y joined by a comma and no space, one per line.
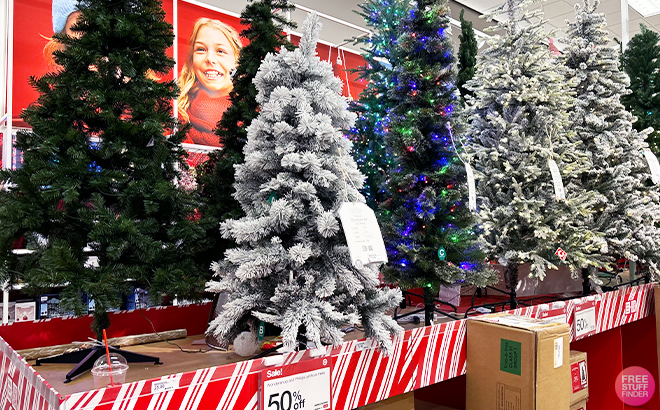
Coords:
266,22
641,61
629,210
292,266
428,229
467,56
518,125
95,199
372,108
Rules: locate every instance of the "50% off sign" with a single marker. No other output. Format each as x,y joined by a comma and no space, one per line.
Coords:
301,386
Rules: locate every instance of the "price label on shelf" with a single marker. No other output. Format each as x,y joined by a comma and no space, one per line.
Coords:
553,315
301,386
584,320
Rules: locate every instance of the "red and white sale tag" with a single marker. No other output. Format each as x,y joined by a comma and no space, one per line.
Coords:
584,319
561,253
554,315
300,386
579,376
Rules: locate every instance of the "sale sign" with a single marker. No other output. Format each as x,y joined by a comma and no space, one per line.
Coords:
300,386
584,319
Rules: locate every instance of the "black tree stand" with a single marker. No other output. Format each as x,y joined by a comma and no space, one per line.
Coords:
85,359
429,308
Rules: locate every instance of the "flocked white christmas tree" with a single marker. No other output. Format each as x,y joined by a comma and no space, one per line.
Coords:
518,124
292,267
629,212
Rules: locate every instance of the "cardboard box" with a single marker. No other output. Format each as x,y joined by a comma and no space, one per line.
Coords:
579,377
581,405
517,363
25,311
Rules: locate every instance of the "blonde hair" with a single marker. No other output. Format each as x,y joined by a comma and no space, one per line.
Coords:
49,49
187,80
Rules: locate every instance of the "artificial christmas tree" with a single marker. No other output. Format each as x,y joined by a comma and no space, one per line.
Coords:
641,61
266,23
95,198
292,266
467,56
629,210
372,108
428,229
518,119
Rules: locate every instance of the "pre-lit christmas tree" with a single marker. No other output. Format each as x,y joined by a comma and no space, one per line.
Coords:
266,23
518,123
428,229
292,267
368,134
629,211
467,56
95,198
641,61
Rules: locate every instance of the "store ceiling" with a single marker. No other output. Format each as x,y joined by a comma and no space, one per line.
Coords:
556,12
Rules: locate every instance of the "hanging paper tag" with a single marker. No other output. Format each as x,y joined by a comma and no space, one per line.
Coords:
363,237
262,330
442,253
653,165
472,192
556,180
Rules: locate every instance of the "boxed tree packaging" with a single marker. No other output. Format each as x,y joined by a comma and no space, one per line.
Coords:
579,377
517,363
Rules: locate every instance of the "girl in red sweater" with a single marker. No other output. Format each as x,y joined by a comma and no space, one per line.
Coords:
206,79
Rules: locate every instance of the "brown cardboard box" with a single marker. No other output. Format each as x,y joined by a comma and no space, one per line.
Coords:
581,405
517,363
579,377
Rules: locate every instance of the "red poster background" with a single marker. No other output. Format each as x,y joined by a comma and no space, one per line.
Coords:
33,27
33,22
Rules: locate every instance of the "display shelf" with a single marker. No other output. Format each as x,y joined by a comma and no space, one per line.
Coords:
360,373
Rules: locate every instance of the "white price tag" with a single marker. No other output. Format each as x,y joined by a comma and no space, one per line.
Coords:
164,385
363,237
472,191
653,165
556,180
301,386
554,315
559,352
584,320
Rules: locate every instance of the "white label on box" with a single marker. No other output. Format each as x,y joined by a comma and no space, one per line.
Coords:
559,352
305,385
363,237
164,385
585,322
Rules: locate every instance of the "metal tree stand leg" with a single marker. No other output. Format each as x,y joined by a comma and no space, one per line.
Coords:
85,359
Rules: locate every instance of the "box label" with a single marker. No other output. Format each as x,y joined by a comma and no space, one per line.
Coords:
510,356
559,352
579,376
508,397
